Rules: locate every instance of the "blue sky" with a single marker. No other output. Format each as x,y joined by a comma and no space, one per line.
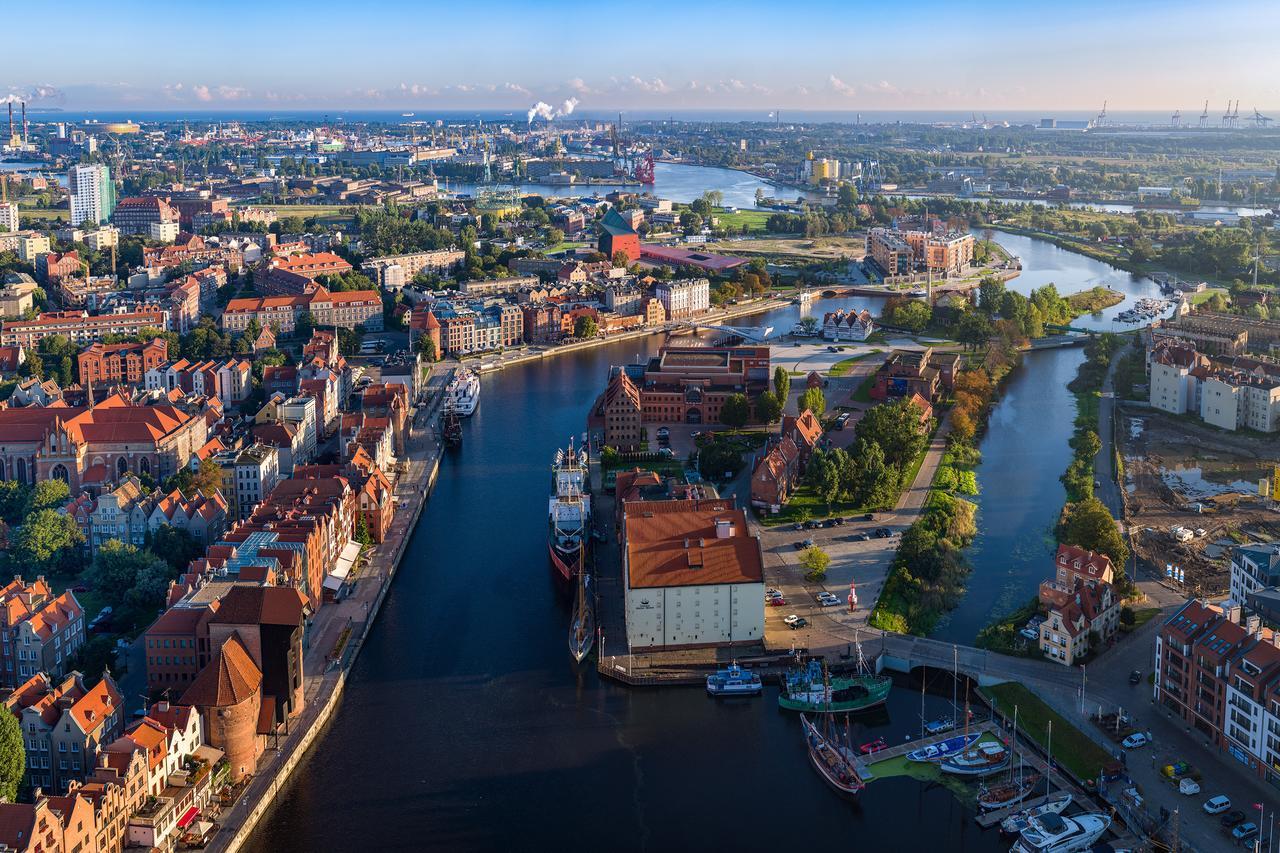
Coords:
643,55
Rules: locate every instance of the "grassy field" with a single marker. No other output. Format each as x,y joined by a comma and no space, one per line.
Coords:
1072,748
805,505
806,248
863,392
43,214
842,368
1205,295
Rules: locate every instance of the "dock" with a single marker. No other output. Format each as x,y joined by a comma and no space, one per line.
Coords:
892,752
986,820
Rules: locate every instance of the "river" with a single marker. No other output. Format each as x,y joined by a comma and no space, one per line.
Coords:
465,727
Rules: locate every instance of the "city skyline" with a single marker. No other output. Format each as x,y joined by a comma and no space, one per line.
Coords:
577,56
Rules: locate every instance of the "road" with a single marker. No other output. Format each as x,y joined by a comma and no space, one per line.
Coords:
1106,489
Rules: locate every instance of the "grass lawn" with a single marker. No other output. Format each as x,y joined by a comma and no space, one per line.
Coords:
1205,295
44,214
806,506
841,368
1141,617
863,392
1072,748
91,599
664,468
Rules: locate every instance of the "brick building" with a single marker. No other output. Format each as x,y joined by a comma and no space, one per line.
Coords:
127,363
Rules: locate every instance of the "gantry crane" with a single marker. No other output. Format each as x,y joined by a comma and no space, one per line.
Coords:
1176,118
1204,116
1259,119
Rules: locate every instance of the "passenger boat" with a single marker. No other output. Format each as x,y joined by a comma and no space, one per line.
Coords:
1015,823
582,629
451,427
463,392
831,756
734,681
980,760
1053,833
569,512
808,687
943,749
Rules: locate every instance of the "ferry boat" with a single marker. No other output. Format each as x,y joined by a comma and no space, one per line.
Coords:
981,760
569,513
463,393
734,681
1053,833
1015,823
831,756
944,749
810,688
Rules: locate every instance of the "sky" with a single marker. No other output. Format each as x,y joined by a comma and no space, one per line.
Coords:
604,55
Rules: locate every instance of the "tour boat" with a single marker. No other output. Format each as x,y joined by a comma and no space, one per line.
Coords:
1019,821
809,688
943,749
980,760
451,427
831,756
463,392
734,681
569,512
1053,833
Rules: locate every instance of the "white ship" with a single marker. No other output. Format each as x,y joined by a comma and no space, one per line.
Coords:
1052,833
463,393
569,513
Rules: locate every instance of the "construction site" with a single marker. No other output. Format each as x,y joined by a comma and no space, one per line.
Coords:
1192,492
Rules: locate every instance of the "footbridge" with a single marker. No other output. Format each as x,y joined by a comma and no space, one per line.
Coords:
904,652
758,334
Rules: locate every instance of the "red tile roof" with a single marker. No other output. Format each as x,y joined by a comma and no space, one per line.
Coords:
674,543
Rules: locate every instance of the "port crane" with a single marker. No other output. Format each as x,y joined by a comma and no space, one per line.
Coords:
1232,117
1204,116
1176,118
1259,119
1102,116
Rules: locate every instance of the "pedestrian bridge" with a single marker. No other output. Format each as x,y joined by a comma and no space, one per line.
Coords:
904,652
758,334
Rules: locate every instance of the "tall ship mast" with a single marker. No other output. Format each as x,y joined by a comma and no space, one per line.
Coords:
582,628
569,512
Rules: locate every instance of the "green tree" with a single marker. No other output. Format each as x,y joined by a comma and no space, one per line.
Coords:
175,546
116,566
50,494
621,259
427,346
973,330
875,482
823,476
736,411
815,562
896,428
1089,524
768,409
15,501
910,314
585,327
362,534
782,384
44,540
13,757
813,400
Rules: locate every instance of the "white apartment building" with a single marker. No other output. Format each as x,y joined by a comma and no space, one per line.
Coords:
1234,400
301,413
103,238
1253,567
93,195
248,476
685,297
8,217
164,232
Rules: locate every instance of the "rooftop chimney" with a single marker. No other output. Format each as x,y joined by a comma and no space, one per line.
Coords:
724,528
1234,613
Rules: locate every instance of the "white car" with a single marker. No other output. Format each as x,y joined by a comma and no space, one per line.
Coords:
772,593
791,619
1135,740
1190,787
1216,805
1029,634
826,599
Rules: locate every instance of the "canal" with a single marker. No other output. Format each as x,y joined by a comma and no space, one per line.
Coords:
465,726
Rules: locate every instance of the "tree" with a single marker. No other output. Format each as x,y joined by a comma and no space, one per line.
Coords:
813,400
427,346
973,330
875,482
896,428
1087,444
175,546
208,478
585,327
782,384
13,757
15,501
116,566
815,562
50,494
43,540
823,476
621,259
349,341
736,411
1089,524
768,408
554,237
362,534
909,314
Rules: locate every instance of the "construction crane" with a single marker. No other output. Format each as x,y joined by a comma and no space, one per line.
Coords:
1259,119
1102,116
1204,116
1176,118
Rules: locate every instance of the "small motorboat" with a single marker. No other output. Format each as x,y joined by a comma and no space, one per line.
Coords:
943,749
1019,821
937,727
872,746
734,681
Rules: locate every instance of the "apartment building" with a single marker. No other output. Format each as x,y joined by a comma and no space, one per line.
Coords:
93,194
80,326
248,476
683,298
1253,569
128,363
64,725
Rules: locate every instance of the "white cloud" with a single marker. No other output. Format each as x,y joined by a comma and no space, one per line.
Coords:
840,87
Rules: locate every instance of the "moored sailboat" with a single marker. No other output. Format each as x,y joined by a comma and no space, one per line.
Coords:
943,749
451,427
831,755
1014,789
981,760
582,629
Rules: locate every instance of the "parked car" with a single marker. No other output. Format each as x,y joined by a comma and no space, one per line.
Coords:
1135,676
795,622
1217,805
772,593
859,537
1189,787
1235,817
1135,740
777,601
1245,831
808,543
1029,634
798,526
882,533
842,421
826,599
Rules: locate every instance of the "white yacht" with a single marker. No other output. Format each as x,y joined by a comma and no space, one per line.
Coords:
463,393
1053,833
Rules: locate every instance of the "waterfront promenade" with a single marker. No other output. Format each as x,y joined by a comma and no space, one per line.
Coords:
335,635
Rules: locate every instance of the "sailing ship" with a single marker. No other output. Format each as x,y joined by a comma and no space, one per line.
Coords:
569,513
831,756
1053,833
809,688
582,629
451,427
1012,790
734,681
1015,823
